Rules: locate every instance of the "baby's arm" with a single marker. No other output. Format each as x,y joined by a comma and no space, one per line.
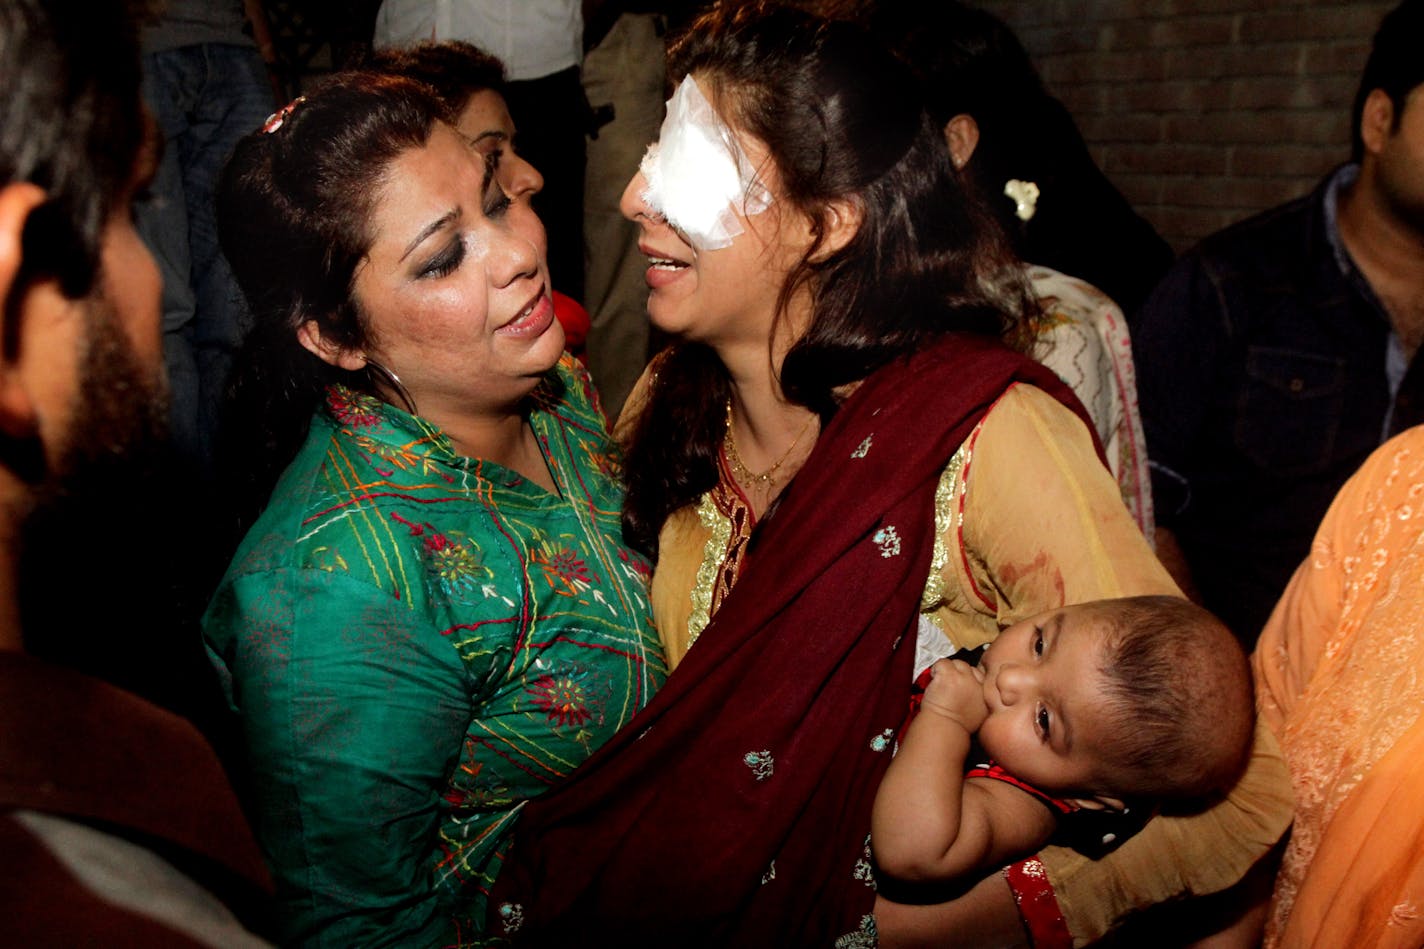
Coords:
929,824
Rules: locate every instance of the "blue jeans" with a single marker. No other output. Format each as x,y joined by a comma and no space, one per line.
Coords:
205,98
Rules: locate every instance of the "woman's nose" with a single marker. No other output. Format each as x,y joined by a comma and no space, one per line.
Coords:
518,178
632,204
517,252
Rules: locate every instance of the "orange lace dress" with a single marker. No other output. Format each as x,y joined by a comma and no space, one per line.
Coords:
1340,680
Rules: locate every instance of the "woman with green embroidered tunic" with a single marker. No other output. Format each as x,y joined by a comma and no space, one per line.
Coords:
434,618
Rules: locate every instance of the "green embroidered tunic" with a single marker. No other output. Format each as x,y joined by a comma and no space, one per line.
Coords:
416,642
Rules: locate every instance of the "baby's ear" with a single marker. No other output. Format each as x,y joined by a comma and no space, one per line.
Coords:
1099,802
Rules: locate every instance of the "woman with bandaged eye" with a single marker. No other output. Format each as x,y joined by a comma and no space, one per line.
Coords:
845,471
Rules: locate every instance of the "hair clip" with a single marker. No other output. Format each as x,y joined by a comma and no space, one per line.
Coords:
1024,194
275,120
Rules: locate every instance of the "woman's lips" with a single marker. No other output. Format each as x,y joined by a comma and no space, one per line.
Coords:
534,319
662,270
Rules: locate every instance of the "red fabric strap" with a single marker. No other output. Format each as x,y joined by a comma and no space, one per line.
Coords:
996,772
1038,907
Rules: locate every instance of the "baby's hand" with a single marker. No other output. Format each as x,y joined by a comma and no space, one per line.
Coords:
956,691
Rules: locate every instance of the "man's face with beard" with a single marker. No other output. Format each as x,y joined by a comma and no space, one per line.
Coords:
98,546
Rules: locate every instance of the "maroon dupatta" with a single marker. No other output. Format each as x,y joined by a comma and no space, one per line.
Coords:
735,809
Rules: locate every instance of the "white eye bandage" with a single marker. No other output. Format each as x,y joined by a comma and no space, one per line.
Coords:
697,175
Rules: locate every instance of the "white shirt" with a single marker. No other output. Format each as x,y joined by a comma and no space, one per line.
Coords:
534,38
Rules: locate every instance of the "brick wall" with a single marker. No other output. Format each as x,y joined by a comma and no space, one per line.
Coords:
1203,112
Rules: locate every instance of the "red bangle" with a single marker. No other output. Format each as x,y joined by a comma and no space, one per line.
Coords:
1038,907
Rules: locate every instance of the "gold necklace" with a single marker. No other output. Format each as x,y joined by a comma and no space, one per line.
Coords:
740,471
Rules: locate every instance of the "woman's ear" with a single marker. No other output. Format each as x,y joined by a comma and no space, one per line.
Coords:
961,133
328,350
840,222
17,408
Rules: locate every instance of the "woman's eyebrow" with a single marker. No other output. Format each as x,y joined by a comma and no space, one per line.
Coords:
497,134
429,229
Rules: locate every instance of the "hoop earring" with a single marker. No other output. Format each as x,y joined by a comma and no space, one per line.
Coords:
392,381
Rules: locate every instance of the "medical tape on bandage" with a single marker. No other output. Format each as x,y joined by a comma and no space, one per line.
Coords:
697,176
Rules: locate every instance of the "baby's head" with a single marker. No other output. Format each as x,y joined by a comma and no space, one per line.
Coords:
1143,698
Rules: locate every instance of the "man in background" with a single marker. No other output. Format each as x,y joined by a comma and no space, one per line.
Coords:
206,79
1276,355
116,822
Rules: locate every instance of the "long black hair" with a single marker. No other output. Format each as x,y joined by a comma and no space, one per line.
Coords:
970,63
840,118
294,212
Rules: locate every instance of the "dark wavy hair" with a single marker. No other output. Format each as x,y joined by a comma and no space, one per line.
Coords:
841,119
72,124
455,70
294,209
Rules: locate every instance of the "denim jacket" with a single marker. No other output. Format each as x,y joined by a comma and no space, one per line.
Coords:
1261,363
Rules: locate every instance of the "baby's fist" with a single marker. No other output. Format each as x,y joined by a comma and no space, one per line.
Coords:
956,690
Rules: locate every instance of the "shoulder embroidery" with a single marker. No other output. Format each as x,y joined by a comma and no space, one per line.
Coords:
719,534
946,524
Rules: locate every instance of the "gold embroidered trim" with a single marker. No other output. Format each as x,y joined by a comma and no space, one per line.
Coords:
946,505
719,535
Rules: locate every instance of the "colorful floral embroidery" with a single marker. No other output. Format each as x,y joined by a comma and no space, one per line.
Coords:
564,694
604,461
400,457
769,875
883,740
864,448
889,540
353,409
457,567
454,567
636,566
760,762
564,570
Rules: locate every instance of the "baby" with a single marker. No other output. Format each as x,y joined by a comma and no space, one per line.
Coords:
1080,711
